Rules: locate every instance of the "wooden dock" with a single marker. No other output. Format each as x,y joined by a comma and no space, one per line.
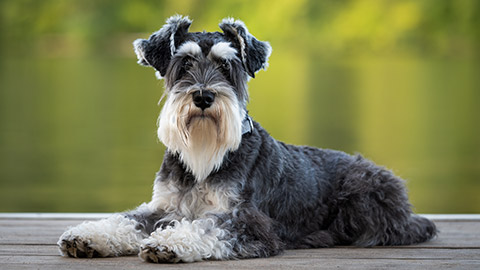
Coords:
28,241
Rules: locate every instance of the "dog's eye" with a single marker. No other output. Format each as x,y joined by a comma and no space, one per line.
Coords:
187,63
225,65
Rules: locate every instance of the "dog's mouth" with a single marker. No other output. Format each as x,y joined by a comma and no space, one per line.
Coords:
200,117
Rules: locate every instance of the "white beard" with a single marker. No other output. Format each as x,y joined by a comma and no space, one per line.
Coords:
201,140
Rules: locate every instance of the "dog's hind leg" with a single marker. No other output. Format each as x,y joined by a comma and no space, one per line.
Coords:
252,233
417,230
318,239
373,208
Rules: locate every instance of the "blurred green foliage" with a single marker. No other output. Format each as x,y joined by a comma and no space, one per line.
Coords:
331,27
395,80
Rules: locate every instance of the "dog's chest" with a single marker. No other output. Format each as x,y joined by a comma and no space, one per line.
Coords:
196,202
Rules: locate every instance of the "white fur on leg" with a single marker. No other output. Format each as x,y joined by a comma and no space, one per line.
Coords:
187,242
113,236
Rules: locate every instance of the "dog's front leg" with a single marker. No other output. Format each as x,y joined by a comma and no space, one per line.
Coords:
243,233
113,236
120,234
187,241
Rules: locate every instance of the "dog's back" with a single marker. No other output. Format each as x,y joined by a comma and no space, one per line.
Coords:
322,197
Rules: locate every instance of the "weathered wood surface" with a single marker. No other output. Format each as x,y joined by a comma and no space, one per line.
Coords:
28,242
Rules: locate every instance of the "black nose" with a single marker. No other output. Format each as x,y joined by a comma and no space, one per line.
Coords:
203,98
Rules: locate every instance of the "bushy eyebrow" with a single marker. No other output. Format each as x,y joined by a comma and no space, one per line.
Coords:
223,50
189,48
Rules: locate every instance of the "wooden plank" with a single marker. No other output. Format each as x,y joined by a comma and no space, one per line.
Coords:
324,253
279,262
28,242
81,216
452,217
28,250
452,234
54,215
33,231
456,235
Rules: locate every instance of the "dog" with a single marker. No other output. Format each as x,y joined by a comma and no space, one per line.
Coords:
226,189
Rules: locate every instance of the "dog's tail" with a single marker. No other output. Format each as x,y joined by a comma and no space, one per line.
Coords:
418,229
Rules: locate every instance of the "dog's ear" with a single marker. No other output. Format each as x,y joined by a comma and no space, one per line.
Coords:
161,46
254,53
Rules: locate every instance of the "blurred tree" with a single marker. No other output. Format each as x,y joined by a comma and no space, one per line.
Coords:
439,27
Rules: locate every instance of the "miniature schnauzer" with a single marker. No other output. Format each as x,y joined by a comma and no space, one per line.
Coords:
226,188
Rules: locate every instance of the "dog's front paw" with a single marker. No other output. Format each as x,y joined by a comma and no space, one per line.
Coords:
77,248
152,252
114,236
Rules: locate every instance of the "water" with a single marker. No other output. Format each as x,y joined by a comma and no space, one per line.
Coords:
79,134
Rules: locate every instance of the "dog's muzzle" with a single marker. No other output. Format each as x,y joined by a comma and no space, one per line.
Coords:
203,99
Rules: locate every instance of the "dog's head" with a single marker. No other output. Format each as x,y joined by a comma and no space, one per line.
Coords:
206,75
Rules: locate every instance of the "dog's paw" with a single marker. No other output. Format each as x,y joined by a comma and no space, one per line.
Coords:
114,236
83,241
151,252
77,248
